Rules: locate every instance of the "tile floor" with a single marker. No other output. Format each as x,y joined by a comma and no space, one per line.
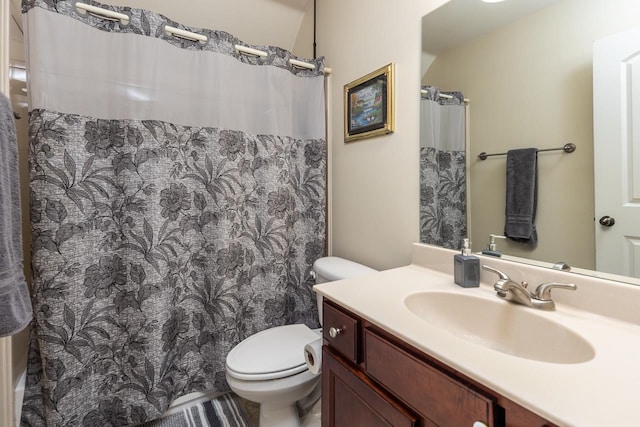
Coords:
253,411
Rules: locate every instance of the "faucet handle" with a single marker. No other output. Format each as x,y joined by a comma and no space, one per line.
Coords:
543,291
500,274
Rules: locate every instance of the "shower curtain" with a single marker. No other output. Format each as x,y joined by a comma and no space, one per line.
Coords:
443,216
177,205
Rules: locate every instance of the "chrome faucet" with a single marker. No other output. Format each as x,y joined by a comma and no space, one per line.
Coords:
518,292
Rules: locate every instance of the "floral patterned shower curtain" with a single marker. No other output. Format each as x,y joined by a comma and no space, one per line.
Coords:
443,204
177,205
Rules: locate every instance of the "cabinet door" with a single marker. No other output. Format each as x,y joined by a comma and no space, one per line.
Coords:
350,399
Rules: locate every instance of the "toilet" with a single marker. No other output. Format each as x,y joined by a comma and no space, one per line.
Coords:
269,367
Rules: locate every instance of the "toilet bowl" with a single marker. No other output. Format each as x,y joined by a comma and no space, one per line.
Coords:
269,367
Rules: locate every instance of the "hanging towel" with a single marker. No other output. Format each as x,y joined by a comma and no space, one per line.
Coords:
15,304
522,197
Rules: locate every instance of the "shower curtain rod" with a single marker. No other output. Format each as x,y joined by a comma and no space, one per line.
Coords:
177,32
443,95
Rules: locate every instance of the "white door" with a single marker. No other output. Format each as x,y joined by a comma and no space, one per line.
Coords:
616,116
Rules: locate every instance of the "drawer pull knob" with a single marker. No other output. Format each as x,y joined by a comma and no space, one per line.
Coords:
334,332
479,424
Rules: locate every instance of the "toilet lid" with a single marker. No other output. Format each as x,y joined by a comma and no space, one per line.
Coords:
272,353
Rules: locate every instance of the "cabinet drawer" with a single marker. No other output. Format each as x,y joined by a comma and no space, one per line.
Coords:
345,328
431,393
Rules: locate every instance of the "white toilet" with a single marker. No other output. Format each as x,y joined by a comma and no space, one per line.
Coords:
269,367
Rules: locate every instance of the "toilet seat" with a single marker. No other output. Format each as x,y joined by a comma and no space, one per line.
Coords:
271,354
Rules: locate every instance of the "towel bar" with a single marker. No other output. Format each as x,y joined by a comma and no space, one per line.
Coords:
567,148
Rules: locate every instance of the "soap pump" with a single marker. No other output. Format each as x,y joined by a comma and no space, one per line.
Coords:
466,267
492,249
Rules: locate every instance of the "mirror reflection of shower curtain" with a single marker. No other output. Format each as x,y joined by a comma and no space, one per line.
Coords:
177,206
443,207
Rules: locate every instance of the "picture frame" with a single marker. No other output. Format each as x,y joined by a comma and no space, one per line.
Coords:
369,105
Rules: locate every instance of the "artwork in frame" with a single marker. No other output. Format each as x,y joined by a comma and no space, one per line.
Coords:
368,105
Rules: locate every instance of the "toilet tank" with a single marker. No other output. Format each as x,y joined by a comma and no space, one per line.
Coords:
331,268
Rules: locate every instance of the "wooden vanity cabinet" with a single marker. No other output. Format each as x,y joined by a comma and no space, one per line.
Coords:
371,378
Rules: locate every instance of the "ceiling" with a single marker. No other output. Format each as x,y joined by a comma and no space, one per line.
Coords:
256,22
473,18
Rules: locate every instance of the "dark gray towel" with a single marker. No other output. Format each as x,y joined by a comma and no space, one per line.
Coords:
15,305
522,197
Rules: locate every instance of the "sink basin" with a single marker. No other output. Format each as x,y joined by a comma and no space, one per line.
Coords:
501,326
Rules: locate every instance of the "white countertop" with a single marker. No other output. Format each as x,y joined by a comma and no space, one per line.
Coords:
600,392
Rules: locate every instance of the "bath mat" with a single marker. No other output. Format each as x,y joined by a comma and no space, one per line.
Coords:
223,411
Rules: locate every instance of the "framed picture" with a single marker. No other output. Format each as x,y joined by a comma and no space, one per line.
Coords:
368,105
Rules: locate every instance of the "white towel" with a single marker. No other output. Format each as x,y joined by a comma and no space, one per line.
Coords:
15,305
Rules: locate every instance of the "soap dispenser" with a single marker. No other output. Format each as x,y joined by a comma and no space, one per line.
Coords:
466,267
492,249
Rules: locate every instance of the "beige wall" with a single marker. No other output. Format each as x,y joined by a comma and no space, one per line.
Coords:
375,181
303,45
530,85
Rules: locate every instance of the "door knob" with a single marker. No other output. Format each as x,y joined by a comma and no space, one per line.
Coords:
607,221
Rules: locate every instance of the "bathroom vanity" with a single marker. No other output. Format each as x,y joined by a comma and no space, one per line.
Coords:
371,378
407,347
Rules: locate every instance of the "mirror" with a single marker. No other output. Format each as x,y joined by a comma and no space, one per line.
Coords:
526,68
